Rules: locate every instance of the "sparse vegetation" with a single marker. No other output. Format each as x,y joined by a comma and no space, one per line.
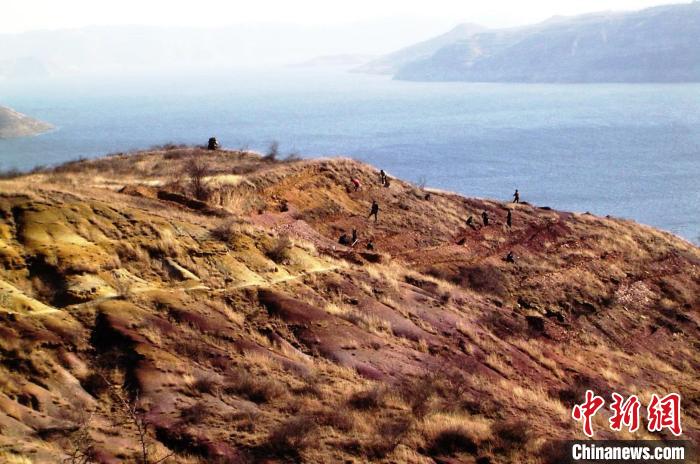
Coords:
279,249
197,171
226,340
273,151
258,390
293,436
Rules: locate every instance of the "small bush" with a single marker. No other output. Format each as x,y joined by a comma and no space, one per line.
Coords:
452,440
206,384
339,418
511,434
224,232
279,250
196,171
257,390
389,435
368,399
11,174
272,152
293,436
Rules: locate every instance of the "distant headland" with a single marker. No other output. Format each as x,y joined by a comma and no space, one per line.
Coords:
15,124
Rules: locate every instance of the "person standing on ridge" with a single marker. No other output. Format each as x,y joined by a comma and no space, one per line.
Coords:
382,177
374,211
485,218
516,196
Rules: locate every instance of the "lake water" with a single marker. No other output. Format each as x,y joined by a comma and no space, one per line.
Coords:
626,150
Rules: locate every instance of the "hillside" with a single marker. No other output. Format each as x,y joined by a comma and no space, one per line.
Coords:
652,45
393,62
198,303
14,124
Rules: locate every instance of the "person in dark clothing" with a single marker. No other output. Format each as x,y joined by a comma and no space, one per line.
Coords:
344,240
470,222
212,144
374,211
509,218
516,196
354,239
382,177
485,218
510,257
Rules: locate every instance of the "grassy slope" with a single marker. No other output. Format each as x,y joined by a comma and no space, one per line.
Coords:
117,286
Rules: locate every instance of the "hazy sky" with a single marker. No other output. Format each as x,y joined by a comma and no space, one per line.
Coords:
23,15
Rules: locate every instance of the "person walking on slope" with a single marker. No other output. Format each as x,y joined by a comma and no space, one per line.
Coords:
356,183
516,196
485,218
470,222
382,177
374,211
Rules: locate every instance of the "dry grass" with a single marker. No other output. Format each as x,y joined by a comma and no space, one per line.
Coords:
293,436
256,389
448,433
363,319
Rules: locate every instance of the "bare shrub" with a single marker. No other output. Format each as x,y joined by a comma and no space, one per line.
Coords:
450,440
273,151
389,435
11,174
258,390
511,434
206,383
82,447
373,398
279,250
292,157
197,171
339,418
132,415
229,231
293,436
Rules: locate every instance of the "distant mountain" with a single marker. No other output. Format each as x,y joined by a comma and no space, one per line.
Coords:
390,64
124,49
658,44
14,124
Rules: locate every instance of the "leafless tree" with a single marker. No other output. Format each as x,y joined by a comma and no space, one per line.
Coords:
133,415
